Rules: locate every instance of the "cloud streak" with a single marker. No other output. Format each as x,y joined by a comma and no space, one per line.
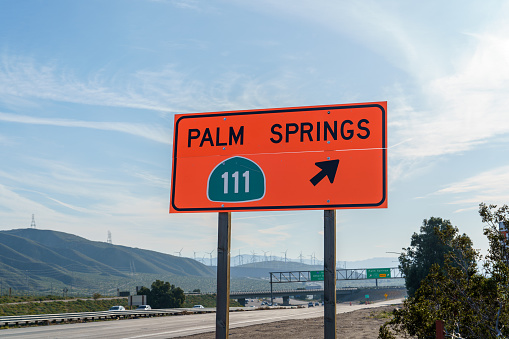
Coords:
153,133
491,186
23,77
164,90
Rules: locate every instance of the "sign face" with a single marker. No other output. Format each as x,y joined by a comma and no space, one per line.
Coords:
316,275
378,273
136,300
320,157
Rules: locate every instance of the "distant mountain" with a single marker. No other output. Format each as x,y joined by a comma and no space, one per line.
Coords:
257,261
262,269
66,258
277,265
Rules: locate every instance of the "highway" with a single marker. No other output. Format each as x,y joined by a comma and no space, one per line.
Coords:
171,326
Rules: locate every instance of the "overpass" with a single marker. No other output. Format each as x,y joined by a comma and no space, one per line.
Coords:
242,296
341,274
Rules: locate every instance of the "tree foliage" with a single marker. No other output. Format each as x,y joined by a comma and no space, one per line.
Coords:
472,304
163,295
426,249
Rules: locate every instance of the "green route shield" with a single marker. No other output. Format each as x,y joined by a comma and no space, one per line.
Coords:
236,179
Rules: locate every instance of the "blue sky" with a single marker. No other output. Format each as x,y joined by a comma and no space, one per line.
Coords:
88,91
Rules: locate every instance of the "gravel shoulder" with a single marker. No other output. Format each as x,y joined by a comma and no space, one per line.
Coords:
363,323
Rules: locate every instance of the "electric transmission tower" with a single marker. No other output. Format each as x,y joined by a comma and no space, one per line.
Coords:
133,268
32,225
109,238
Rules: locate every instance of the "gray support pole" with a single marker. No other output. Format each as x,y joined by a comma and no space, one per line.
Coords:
271,295
223,275
329,250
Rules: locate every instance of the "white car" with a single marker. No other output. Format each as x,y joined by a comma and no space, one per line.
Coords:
143,307
198,306
117,308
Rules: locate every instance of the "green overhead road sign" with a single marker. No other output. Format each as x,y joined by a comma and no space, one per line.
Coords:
378,273
316,275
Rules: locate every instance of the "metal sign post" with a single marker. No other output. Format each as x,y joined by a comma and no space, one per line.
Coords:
223,275
329,251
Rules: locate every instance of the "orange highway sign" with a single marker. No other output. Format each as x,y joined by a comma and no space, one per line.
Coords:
316,157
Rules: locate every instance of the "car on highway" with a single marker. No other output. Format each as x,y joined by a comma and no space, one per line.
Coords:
310,304
117,308
317,304
143,307
198,306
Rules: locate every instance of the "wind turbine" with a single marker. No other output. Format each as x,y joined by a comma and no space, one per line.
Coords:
180,252
285,254
238,259
265,255
210,254
241,258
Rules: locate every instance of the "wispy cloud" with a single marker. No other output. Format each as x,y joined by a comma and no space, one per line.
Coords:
461,106
490,186
24,77
461,77
277,231
468,106
154,133
152,179
184,4
164,89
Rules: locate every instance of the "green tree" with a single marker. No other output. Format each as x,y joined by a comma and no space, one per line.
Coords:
471,304
163,295
425,249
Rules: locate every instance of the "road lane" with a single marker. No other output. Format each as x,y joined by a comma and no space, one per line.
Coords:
171,326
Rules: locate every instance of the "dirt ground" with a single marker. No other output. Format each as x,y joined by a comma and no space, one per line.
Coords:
352,325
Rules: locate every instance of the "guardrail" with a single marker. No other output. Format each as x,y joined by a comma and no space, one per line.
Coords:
91,316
